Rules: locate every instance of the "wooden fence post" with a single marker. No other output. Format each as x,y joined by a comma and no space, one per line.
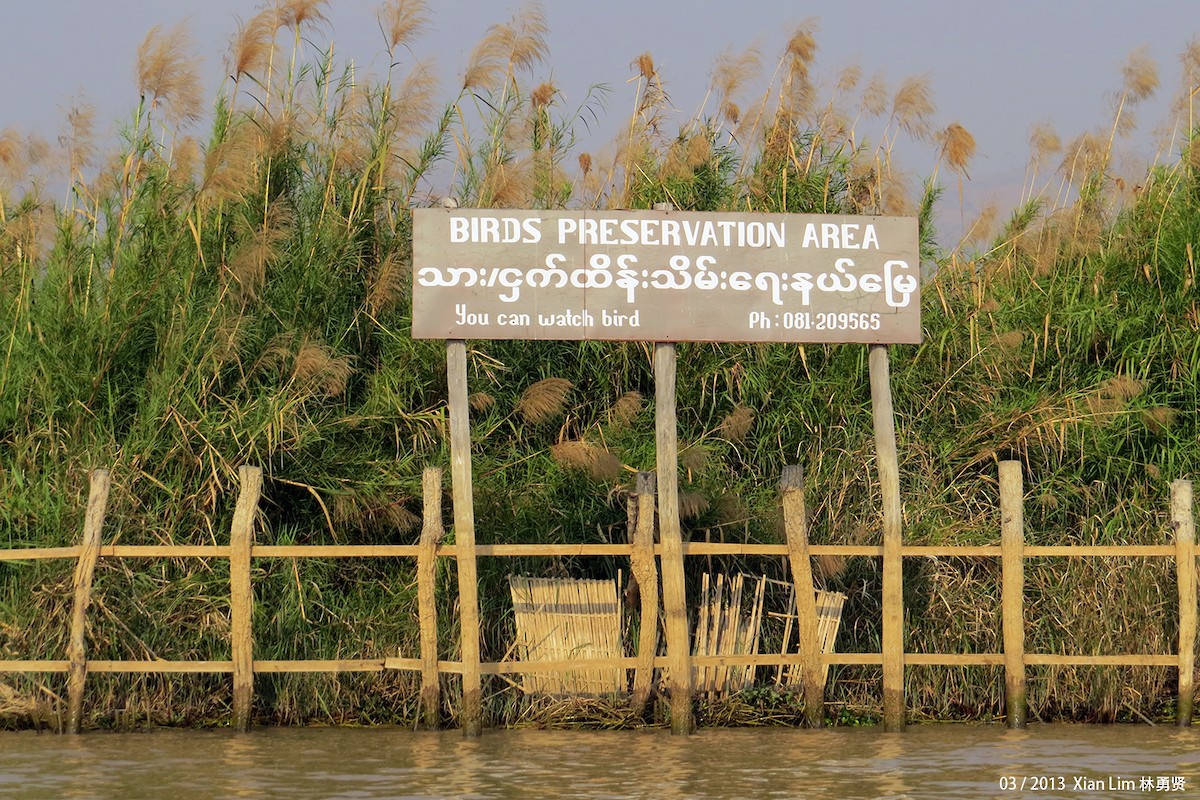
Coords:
1012,545
893,575
674,589
85,569
796,529
646,574
431,536
464,536
1184,522
241,594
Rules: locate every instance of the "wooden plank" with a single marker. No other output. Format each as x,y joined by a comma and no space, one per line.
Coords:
795,524
954,659
35,666
1104,550
893,576
464,535
165,551
321,665
341,551
241,594
1137,660
85,569
567,550
673,582
1012,602
431,535
39,553
1184,522
642,566
156,666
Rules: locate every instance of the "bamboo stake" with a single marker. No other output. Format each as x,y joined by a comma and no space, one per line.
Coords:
85,570
893,576
1012,538
642,564
431,536
674,590
809,646
1185,568
241,594
464,535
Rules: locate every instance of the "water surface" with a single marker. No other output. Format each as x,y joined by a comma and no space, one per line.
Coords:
927,761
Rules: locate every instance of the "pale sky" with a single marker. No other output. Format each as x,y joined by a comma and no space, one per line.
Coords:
997,68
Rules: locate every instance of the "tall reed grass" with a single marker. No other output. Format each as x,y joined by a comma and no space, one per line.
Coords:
192,305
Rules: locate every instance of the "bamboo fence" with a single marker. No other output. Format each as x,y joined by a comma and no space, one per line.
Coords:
648,560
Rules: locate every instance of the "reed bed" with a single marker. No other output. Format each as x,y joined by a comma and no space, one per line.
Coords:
197,303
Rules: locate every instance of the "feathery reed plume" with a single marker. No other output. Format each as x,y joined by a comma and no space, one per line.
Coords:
628,406
186,157
692,504
1141,75
1111,397
12,149
983,227
318,370
875,96
389,284
645,66
695,457
543,95
507,49
166,72
737,424
600,464
912,106
247,265
544,400
481,401
958,147
250,48
730,73
1085,155
1159,419
299,13
230,167
1043,142
78,140
848,78
400,20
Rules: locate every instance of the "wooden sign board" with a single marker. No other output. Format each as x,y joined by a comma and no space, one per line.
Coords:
665,276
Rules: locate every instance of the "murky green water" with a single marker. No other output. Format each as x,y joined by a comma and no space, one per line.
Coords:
931,761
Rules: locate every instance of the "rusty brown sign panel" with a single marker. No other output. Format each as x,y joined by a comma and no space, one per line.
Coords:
665,276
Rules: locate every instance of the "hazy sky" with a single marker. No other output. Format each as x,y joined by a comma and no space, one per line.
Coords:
997,68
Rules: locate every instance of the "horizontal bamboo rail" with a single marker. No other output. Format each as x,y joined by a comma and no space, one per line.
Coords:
568,550
1014,659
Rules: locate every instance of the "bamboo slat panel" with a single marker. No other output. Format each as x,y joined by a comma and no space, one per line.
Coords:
829,621
568,620
723,628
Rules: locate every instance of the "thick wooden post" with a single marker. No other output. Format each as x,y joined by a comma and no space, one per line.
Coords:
795,521
1012,546
1184,522
674,590
241,595
431,536
893,576
464,536
646,574
85,569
